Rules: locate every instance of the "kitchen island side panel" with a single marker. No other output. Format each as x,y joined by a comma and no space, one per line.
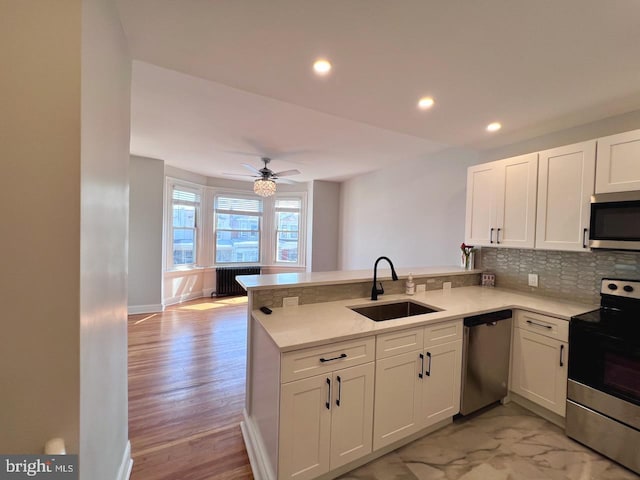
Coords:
265,388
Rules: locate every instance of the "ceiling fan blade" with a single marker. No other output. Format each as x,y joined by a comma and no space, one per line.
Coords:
251,168
229,174
287,173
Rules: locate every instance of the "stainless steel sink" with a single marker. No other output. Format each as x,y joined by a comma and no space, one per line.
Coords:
389,311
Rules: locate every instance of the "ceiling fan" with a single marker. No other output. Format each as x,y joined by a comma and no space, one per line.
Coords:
265,183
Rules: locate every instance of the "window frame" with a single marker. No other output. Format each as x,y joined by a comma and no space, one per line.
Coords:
214,230
301,228
198,191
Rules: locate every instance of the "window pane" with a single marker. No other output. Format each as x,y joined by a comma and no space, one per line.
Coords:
287,220
237,246
287,247
184,216
237,222
183,246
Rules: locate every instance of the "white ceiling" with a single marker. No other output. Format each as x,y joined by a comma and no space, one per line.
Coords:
214,78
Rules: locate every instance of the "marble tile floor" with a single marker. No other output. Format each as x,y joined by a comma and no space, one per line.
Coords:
504,443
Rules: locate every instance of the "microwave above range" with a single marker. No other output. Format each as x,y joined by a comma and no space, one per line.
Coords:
615,221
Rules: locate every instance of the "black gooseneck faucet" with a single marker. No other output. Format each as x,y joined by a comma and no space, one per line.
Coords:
375,291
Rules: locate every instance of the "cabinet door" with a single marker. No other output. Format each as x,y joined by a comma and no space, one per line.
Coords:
398,395
305,427
566,182
539,370
618,163
517,179
441,382
481,204
352,414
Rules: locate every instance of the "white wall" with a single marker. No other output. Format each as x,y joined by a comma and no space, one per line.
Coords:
146,201
324,209
106,83
40,209
412,212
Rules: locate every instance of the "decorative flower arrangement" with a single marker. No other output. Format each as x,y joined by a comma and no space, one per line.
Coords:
466,260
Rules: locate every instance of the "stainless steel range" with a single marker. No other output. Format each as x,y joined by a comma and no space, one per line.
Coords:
603,397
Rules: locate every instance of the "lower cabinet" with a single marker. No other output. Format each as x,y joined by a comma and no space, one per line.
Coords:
539,362
326,421
419,388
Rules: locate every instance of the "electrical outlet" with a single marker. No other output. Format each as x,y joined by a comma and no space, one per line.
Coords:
421,288
446,285
290,302
533,279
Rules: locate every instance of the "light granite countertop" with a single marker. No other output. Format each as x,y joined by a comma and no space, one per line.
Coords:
303,326
307,279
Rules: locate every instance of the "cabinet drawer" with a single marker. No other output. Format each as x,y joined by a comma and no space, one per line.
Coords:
403,341
326,358
548,326
440,333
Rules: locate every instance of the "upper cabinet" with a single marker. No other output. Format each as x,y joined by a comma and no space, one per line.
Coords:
501,202
566,177
618,163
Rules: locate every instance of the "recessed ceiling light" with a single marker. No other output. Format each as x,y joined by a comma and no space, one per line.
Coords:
494,127
425,103
322,66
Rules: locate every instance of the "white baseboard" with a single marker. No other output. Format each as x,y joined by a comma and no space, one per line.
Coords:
207,292
124,472
135,309
255,452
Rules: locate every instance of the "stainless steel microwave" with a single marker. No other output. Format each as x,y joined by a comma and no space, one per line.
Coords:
615,221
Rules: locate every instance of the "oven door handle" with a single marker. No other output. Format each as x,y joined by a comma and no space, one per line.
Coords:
561,355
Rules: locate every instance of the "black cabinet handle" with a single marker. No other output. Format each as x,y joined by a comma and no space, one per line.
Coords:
342,355
491,235
561,355
539,324
339,390
328,403
429,366
584,238
498,235
421,374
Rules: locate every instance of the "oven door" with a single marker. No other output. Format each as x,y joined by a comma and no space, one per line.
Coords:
605,362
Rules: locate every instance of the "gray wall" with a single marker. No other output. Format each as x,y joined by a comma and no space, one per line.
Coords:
325,212
146,197
65,140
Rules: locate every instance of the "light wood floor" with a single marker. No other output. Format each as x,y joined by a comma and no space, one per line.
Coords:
186,391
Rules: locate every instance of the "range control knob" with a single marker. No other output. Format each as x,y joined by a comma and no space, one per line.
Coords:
612,286
628,288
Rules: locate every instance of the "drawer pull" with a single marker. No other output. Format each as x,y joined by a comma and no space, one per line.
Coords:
539,324
342,355
328,402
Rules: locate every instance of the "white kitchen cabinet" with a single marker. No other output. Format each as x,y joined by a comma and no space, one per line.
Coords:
618,168
539,360
501,202
566,182
419,388
326,421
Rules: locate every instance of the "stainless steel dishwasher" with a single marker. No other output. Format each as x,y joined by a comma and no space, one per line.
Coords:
485,360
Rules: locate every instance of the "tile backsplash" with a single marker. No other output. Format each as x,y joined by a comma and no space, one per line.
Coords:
569,275
328,293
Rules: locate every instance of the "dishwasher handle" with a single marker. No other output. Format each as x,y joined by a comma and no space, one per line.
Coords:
490,318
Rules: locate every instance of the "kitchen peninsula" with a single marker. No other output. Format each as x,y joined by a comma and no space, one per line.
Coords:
314,369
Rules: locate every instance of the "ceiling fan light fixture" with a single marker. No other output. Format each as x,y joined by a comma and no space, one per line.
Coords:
264,187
